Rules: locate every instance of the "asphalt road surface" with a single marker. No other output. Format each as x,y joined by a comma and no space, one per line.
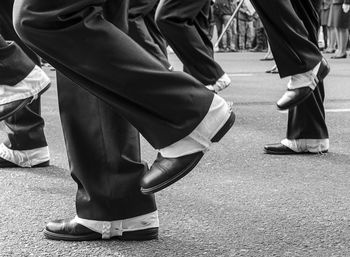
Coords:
237,202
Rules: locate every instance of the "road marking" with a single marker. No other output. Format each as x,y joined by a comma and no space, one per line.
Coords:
328,110
337,110
240,74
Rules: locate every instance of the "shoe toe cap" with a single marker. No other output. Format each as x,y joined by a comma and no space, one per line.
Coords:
292,97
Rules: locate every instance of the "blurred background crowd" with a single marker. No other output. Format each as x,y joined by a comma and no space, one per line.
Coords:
246,32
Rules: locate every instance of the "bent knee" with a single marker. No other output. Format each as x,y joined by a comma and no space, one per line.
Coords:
164,18
21,18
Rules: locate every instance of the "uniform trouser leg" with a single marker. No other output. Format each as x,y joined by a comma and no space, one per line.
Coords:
104,156
154,30
288,30
307,120
164,106
185,25
15,65
144,31
298,53
26,126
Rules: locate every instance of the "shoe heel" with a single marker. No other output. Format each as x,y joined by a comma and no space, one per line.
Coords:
41,165
229,123
324,72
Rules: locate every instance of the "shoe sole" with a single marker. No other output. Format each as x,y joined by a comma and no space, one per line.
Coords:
7,164
25,103
218,136
184,172
140,235
292,152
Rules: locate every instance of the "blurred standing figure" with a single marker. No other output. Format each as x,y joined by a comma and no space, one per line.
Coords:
211,20
246,25
185,26
324,17
260,36
223,10
340,20
297,55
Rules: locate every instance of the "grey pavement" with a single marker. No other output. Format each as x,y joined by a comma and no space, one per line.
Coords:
237,202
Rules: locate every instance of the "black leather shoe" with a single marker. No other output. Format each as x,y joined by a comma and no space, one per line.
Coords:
294,97
273,70
281,149
6,164
339,56
166,171
267,58
69,230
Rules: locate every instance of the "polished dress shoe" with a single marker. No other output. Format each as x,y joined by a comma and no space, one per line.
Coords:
281,149
70,230
166,171
267,58
294,97
329,51
339,56
6,164
273,70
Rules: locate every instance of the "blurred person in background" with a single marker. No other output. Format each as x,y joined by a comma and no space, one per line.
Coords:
211,19
340,20
324,17
268,56
245,25
260,35
223,10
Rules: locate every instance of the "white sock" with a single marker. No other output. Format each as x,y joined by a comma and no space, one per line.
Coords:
200,137
306,79
25,158
307,145
109,229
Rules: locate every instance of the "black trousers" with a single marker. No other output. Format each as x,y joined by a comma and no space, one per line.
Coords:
103,148
104,156
26,126
143,29
15,65
185,26
164,106
292,27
